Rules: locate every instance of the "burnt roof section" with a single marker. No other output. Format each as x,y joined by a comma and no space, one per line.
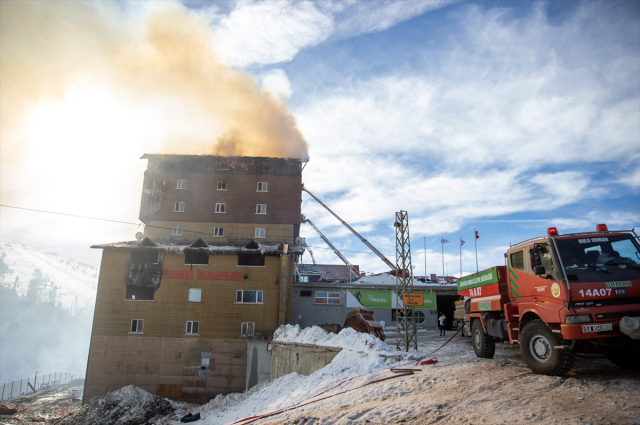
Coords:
218,249
224,164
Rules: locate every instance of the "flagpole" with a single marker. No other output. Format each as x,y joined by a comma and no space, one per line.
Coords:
442,243
475,241
425,259
460,257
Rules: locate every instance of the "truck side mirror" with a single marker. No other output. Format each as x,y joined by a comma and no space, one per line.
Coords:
539,270
535,257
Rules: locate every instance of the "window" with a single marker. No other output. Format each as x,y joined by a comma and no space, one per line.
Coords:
260,233
261,209
222,186
178,207
517,260
198,258
248,297
327,297
182,184
195,295
305,293
220,208
136,326
177,230
139,293
262,187
247,328
218,231
305,279
144,256
251,259
192,328
545,258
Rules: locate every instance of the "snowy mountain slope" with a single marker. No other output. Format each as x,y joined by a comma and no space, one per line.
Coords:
70,279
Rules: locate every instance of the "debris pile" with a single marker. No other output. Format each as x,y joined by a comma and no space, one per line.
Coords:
127,406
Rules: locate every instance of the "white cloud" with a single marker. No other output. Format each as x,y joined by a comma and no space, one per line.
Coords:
266,32
511,116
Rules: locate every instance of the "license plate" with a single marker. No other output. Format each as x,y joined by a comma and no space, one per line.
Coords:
597,328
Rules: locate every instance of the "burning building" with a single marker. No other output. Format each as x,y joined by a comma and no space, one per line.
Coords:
187,310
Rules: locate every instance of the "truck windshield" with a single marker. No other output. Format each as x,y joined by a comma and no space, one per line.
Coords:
608,254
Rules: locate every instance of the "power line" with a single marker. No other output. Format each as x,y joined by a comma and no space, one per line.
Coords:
139,224
99,219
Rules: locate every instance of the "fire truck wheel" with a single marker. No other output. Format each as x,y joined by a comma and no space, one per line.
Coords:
483,343
538,350
628,360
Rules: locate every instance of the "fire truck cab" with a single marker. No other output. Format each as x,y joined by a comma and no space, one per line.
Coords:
558,295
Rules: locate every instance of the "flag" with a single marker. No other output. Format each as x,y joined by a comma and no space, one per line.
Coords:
477,236
461,242
443,240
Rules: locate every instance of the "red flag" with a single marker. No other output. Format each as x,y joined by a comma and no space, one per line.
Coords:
477,235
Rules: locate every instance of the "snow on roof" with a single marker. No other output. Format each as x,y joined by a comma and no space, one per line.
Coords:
387,279
179,247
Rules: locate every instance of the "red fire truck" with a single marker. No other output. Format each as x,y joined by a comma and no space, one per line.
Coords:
558,295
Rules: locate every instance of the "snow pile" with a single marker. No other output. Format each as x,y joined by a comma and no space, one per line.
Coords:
388,279
127,406
347,338
361,354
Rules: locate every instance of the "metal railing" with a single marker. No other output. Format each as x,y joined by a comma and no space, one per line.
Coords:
27,386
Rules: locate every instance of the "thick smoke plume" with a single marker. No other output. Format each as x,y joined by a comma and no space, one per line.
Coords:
159,53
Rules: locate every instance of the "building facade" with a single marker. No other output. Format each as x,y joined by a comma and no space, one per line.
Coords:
178,309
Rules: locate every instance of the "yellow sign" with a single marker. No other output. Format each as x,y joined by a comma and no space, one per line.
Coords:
413,300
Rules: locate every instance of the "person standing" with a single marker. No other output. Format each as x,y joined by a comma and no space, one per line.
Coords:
442,322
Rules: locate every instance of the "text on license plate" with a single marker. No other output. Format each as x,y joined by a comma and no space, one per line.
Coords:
597,328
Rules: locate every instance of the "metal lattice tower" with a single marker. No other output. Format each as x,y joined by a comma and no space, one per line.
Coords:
406,334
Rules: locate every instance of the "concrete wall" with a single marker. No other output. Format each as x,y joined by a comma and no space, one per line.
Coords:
258,361
307,313
300,358
167,367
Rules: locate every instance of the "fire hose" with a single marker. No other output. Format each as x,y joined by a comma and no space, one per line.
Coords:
397,370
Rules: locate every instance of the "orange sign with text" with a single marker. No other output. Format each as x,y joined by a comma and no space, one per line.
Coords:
413,300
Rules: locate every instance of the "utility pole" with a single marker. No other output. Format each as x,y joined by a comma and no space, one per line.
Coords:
406,333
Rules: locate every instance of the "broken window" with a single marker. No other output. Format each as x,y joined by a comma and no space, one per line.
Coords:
260,232
220,208
222,186
144,256
262,187
198,258
248,297
261,209
192,328
182,184
195,295
178,207
177,230
136,326
218,231
247,328
251,259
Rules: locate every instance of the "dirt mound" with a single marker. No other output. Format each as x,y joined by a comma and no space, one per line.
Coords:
127,406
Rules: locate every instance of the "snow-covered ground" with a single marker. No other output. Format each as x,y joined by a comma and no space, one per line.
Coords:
459,388
71,278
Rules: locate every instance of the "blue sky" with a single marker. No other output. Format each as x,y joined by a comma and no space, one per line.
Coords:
504,116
